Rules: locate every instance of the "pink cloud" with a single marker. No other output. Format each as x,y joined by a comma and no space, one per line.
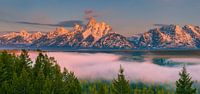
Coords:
106,66
90,13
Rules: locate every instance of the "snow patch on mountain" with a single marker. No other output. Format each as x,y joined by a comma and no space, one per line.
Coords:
99,35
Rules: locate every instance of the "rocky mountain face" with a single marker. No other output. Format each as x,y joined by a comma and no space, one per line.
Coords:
113,40
22,37
93,35
99,35
169,36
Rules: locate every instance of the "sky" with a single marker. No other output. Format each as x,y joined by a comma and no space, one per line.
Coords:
126,17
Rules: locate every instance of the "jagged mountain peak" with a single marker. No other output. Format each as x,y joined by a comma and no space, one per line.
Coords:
113,40
58,32
191,27
170,27
96,29
168,36
10,34
178,30
37,35
188,26
194,31
24,33
100,35
61,30
174,31
92,21
77,27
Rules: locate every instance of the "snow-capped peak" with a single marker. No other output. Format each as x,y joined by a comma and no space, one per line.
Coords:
189,27
171,29
194,31
169,36
24,33
99,35
59,31
94,31
36,35
9,35
77,27
92,21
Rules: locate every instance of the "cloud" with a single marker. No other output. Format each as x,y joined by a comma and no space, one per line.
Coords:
105,66
90,13
161,25
69,23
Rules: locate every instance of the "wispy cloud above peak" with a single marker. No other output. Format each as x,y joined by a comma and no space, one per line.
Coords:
69,23
90,13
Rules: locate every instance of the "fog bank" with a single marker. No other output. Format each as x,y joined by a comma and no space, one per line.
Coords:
106,66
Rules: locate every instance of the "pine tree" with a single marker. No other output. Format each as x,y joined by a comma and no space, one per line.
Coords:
24,62
18,76
57,80
39,83
6,71
7,66
184,84
103,89
48,87
121,85
22,84
38,67
93,89
72,83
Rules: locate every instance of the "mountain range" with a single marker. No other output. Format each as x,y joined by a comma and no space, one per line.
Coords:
99,35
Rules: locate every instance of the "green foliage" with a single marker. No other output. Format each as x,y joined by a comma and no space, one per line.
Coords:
164,62
103,89
18,75
121,85
184,84
71,82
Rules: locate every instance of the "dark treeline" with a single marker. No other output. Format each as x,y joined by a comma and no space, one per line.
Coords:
20,75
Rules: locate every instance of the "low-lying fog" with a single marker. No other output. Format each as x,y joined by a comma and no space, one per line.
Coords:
106,66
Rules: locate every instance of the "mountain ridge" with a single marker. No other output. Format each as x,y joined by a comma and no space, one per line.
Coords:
99,35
